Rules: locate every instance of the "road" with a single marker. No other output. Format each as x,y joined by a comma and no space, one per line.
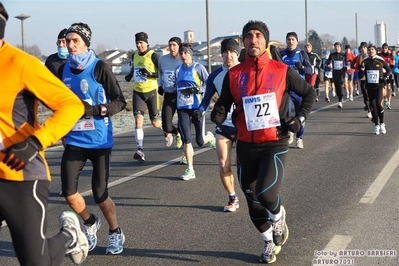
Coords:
340,193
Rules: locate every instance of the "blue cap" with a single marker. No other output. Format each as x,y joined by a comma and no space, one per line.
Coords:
326,52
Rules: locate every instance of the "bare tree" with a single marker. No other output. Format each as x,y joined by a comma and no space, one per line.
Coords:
32,50
102,47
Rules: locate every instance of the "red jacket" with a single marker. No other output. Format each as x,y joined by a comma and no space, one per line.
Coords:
259,76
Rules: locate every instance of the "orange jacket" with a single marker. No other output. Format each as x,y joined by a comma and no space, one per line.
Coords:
25,82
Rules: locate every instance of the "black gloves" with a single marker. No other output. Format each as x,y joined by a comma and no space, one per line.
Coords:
91,110
128,77
290,123
299,65
197,116
19,155
218,114
160,90
189,91
144,72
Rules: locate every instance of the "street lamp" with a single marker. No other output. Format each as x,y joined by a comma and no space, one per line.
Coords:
22,17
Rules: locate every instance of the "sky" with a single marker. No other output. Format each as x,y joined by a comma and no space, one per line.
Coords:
114,23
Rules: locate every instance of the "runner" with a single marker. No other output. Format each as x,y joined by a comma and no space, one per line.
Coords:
338,61
349,72
388,58
327,76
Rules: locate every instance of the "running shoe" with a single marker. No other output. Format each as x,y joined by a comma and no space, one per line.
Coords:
340,105
351,98
347,94
291,139
139,155
183,159
212,142
168,140
357,92
388,105
269,252
115,243
393,94
299,144
179,142
383,130
327,99
385,105
317,99
78,249
280,229
377,130
91,232
188,174
232,205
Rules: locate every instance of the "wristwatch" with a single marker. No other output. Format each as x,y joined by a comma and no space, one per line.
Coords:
302,119
103,110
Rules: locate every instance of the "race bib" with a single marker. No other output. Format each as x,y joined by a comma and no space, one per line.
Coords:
261,111
338,65
138,76
373,76
184,100
84,125
168,79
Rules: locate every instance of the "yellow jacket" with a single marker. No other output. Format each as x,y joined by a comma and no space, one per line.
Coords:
24,81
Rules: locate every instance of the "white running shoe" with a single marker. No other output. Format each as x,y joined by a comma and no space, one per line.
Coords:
188,174
139,155
383,130
179,142
351,98
212,142
78,249
291,139
347,94
91,232
340,105
369,115
168,140
115,243
376,130
299,144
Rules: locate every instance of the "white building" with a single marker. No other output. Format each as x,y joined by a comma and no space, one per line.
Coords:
380,33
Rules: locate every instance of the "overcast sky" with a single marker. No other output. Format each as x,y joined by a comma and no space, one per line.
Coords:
114,23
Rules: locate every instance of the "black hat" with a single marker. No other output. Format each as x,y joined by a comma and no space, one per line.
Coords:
256,25
83,30
372,46
337,43
231,45
176,40
292,34
347,46
62,34
141,36
363,44
384,44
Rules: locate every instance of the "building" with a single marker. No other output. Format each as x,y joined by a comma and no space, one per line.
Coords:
115,59
380,33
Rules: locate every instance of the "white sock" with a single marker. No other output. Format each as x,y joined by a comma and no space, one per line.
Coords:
268,234
275,217
139,134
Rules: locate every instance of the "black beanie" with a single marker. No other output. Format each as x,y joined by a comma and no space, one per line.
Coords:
3,19
385,44
141,36
62,34
176,40
83,30
256,25
293,34
347,46
231,45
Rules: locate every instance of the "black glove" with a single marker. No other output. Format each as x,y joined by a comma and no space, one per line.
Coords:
189,91
128,77
218,114
197,116
290,123
344,69
160,90
19,155
362,67
144,72
91,110
299,65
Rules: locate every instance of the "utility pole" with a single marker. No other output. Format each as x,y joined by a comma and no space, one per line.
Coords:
306,20
357,42
208,38
22,17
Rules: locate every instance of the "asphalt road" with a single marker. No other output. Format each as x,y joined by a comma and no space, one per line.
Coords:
340,193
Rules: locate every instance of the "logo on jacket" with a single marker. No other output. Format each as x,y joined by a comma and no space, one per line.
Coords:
84,86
